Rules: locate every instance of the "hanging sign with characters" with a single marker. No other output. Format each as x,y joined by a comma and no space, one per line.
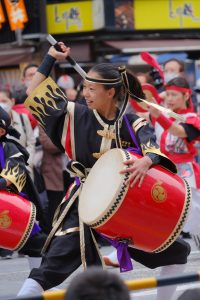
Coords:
16,12
2,17
167,14
76,16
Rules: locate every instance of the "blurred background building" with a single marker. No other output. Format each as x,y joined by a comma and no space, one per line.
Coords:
97,31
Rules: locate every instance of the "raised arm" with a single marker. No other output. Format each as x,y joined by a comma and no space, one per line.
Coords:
167,123
47,64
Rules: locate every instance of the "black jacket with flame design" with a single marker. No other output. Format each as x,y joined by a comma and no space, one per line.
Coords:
15,171
14,168
81,132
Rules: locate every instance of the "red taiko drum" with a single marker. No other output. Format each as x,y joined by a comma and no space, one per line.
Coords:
17,217
149,218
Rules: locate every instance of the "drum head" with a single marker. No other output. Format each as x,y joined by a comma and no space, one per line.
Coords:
102,186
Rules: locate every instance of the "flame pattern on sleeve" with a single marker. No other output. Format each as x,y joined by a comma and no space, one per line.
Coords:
15,175
45,100
14,169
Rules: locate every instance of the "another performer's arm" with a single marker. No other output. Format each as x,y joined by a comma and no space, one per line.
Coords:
190,129
14,171
168,124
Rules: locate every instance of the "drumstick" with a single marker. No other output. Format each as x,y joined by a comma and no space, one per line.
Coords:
162,109
72,62
83,74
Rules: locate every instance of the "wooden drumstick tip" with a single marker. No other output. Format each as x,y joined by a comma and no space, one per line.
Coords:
51,40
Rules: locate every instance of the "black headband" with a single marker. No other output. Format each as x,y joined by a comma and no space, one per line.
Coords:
104,80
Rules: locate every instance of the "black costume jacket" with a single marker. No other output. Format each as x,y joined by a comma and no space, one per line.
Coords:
15,171
82,133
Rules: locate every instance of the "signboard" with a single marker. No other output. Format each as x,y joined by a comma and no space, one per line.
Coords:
16,12
124,14
166,14
75,16
2,17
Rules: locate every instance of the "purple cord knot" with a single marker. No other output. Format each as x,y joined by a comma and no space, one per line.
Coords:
36,228
123,255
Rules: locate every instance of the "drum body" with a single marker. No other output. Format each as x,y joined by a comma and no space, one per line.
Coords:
17,217
149,218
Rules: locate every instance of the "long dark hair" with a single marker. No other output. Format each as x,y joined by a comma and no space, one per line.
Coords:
110,71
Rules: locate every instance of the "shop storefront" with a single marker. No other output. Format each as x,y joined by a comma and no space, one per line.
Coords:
100,30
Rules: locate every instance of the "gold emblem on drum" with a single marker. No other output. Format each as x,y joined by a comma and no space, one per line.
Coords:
158,193
5,219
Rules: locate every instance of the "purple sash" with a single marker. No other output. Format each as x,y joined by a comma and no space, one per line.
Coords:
136,149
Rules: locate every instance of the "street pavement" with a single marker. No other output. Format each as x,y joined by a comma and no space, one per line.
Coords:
14,271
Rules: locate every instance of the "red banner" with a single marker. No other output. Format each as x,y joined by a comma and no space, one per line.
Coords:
17,14
2,17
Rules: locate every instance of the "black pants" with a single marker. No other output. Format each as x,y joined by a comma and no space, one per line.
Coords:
34,245
177,253
54,199
63,256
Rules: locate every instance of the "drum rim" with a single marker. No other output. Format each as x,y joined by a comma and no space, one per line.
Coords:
118,201
177,230
29,228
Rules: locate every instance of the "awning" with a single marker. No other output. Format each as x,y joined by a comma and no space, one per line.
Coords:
14,56
136,46
80,50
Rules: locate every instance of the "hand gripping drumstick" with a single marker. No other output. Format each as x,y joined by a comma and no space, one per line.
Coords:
83,74
72,62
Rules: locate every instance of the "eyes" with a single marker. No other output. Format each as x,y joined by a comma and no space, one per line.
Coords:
93,87
89,88
4,100
174,94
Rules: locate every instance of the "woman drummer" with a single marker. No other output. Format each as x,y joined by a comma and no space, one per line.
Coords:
84,134
177,140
